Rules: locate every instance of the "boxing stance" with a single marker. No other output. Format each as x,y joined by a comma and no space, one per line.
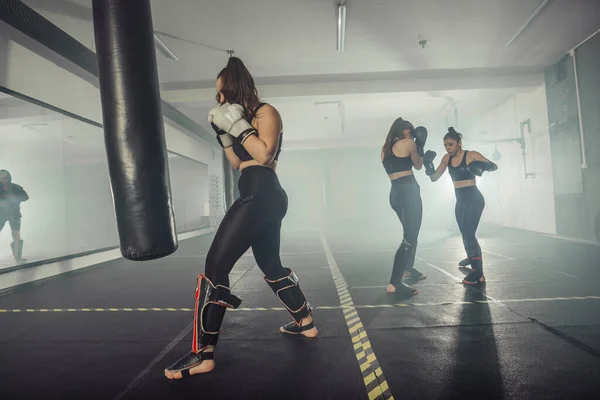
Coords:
11,197
403,150
250,134
463,166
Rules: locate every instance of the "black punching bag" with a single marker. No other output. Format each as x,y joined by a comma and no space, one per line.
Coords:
133,128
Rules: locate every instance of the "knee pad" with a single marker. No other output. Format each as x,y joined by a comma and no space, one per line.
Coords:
211,303
289,293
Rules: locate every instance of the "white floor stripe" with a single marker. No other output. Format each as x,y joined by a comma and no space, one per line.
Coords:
570,239
454,277
496,254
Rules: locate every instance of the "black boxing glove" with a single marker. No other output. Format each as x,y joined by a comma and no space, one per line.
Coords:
428,162
478,167
420,134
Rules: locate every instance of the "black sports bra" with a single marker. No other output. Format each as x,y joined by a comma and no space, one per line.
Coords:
461,172
392,163
239,149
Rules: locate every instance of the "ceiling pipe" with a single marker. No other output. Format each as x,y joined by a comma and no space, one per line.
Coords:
165,50
341,27
584,164
585,40
531,17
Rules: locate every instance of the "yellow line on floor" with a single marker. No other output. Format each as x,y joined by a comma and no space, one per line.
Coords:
373,378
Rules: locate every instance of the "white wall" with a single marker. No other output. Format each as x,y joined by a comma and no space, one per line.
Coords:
357,192
512,200
28,73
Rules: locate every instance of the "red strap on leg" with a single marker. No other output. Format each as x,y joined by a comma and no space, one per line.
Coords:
195,333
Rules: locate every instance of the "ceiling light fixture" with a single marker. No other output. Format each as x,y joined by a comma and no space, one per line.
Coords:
341,27
165,50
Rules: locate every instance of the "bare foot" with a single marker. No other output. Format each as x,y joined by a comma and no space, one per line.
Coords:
391,288
311,333
202,368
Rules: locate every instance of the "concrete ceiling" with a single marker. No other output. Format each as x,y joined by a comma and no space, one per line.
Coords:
290,48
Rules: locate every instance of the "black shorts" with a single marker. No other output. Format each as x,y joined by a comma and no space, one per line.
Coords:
14,222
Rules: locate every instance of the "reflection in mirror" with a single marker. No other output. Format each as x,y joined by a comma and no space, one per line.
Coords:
55,197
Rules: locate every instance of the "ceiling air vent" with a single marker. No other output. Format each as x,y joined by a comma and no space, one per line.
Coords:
329,115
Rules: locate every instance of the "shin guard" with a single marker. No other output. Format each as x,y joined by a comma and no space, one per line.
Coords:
18,251
289,293
211,303
412,255
401,262
475,257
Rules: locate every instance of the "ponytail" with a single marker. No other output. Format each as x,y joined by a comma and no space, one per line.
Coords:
396,132
238,84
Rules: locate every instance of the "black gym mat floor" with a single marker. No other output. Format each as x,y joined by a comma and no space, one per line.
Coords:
108,331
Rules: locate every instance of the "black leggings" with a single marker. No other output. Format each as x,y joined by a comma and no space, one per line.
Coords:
405,199
469,207
254,220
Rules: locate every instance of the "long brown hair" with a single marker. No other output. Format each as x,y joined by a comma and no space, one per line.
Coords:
396,132
238,85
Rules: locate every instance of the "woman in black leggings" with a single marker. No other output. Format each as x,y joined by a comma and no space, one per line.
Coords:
402,150
463,166
250,134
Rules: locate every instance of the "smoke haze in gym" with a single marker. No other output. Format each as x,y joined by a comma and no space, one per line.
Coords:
517,104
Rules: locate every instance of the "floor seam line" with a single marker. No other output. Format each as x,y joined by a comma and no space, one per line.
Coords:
138,378
580,345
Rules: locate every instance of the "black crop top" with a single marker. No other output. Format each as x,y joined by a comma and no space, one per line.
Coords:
392,163
239,149
461,172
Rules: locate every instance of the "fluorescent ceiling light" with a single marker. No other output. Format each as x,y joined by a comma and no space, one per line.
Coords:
341,27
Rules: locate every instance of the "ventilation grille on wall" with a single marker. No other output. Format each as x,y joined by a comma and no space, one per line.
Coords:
560,71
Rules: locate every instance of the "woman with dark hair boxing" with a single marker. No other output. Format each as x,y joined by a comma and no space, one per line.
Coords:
463,166
399,154
250,133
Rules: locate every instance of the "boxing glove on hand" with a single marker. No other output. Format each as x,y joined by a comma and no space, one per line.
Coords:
420,135
224,139
428,162
230,118
478,167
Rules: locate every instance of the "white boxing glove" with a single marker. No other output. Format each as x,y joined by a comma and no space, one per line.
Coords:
230,118
224,139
